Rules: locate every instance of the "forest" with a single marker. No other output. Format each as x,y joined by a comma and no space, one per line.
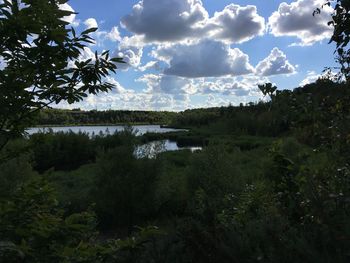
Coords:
271,184
59,117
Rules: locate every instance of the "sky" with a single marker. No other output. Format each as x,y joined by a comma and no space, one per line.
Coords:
185,54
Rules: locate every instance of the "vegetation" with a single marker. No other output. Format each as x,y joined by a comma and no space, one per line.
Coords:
275,183
47,117
43,62
272,184
341,37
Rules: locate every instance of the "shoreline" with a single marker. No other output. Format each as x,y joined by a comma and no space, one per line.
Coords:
99,124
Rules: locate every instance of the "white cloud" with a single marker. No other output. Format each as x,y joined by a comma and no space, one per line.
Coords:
131,50
121,98
162,21
236,24
114,34
231,86
131,56
71,18
85,54
311,77
214,101
207,58
150,65
276,63
174,92
185,20
178,20
133,41
168,92
100,36
296,19
218,87
166,84
118,98
91,23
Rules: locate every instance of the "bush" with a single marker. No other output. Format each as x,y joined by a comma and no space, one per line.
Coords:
15,167
124,188
61,151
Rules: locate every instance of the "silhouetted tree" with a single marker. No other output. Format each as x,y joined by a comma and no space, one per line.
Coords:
41,62
341,34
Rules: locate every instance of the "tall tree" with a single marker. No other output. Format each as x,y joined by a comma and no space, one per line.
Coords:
40,62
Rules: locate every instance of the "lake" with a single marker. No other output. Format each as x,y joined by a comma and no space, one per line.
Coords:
140,129
150,149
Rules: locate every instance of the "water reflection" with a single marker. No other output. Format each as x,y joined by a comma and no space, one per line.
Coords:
151,149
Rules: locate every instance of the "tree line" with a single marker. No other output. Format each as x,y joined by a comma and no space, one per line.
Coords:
81,117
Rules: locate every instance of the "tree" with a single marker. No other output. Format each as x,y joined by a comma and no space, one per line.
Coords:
341,34
41,65
267,89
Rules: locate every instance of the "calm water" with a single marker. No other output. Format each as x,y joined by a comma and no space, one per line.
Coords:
151,149
140,129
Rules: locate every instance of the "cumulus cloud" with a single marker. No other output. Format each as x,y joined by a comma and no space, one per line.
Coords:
180,20
131,50
296,20
231,86
311,77
170,20
168,92
207,58
114,34
218,87
71,18
161,101
275,64
131,56
173,85
119,98
236,24
91,23
150,65
100,36
85,54
214,101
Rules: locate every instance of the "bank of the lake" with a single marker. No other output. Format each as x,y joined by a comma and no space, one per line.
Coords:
105,129
153,139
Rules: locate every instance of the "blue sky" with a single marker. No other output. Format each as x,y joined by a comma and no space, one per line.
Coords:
190,53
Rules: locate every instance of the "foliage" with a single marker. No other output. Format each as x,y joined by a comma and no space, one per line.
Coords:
74,187
37,230
341,35
267,89
80,117
61,151
124,188
15,167
68,151
243,198
42,65
34,229
273,179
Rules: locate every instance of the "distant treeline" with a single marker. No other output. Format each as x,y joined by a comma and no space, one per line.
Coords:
81,117
310,113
